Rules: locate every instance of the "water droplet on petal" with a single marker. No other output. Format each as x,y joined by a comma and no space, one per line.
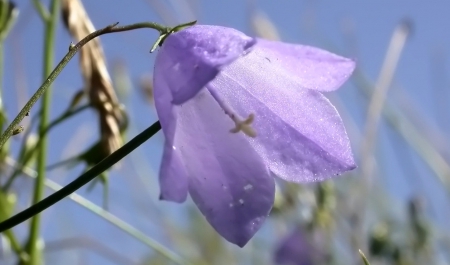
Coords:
248,187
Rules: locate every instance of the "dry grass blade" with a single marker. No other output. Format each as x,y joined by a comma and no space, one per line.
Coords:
376,104
262,26
146,86
98,84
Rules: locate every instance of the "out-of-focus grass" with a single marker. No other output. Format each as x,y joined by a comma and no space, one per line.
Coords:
371,220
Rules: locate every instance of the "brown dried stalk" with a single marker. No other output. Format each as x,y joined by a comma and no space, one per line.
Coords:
97,82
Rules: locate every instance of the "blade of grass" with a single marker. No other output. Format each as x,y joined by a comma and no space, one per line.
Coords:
412,135
107,216
42,10
73,49
377,100
91,245
24,158
365,261
33,246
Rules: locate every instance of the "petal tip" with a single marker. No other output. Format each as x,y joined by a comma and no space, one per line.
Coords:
191,58
242,237
176,199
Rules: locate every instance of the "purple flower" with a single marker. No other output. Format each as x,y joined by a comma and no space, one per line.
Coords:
298,249
236,111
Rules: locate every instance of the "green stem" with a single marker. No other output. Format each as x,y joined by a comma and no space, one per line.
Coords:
42,11
8,17
49,46
5,206
81,180
24,157
363,257
16,247
72,51
1,73
6,22
107,216
67,114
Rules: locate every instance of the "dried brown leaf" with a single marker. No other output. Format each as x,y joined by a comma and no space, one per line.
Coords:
98,84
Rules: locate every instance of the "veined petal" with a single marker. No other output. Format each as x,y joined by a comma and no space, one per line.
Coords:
190,58
173,180
297,249
300,135
310,67
228,180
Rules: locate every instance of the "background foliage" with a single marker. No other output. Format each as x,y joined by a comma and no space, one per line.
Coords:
395,206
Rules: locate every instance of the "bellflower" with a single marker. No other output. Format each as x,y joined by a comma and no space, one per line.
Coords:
237,111
298,248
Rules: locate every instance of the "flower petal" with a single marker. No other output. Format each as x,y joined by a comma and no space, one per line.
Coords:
311,67
192,57
297,249
173,180
300,134
228,180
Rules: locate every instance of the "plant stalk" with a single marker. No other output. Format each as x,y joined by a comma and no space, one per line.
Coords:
33,245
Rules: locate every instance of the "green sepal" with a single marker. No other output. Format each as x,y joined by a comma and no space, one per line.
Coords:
164,34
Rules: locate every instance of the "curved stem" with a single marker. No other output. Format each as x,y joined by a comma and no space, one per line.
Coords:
72,51
107,216
25,157
81,180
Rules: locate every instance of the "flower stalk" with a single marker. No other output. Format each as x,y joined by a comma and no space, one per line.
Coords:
81,180
113,28
33,245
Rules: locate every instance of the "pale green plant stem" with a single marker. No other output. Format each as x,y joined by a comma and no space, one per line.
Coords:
363,257
42,11
25,157
7,23
2,52
378,98
33,248
107,216
412,135
9,234
73,49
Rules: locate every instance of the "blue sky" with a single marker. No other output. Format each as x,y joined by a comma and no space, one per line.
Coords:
357,29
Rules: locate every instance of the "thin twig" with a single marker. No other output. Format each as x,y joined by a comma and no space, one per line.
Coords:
81,180
73,49
28,155
107,216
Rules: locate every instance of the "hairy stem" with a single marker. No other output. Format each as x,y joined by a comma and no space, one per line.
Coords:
25,157
81,180
72,51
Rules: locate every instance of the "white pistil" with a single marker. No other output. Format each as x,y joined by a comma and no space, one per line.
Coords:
240,125
244,126
248,187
